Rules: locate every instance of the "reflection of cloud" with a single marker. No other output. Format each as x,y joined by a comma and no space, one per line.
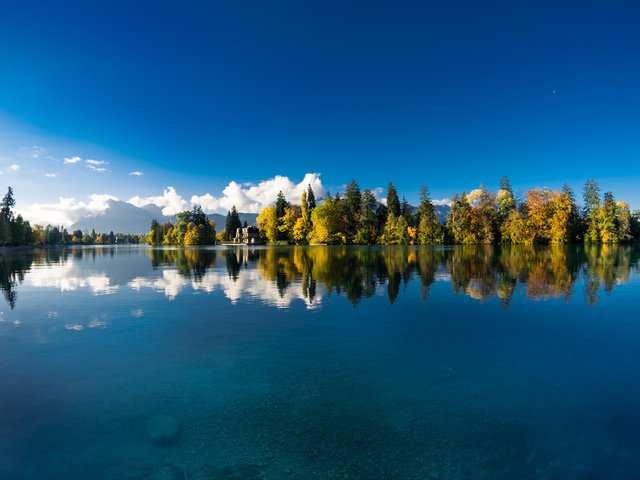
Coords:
248,285
171,283
67,277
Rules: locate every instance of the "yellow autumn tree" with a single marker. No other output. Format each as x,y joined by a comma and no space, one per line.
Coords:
268,224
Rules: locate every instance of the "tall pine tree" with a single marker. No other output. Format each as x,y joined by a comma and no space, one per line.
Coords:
591,195
232,223
393,202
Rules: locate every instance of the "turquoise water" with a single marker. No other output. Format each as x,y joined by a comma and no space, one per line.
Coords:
321,363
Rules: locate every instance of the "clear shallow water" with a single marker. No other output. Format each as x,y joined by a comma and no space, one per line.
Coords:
321,362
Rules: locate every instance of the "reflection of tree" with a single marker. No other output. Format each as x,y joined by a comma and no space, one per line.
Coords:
480,271
12,268
15,263
233,262
190,262
605,266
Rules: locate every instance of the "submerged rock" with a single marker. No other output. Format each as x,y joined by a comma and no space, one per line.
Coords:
162,429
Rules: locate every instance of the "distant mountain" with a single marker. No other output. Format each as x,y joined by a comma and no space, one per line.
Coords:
120,217
123,217
154,209
442,211
221,219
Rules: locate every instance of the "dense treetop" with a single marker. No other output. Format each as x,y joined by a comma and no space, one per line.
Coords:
477,217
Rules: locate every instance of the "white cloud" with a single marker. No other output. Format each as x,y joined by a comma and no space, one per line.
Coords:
170,201
71,160
250,198
50,175
444,201
377,192
13,168
136,173
249,285
67,210
67,276
95,165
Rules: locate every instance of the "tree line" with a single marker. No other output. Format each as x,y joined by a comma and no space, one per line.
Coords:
16,231
192,227
481,216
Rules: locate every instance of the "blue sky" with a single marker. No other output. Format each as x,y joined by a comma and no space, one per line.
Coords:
198,94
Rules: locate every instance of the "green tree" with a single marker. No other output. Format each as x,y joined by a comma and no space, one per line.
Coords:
352,205
328,222
6,217
311,199
574,215
506,203
406,211
393,202
6,206
367,233
429,228
591,195
232,223
281,207
607,221
302,227
281,204
625,233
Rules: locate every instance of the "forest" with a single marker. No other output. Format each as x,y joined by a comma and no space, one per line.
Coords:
540,216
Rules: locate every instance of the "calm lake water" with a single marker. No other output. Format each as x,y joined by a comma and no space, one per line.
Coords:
320,363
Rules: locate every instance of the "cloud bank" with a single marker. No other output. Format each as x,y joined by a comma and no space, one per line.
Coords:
66,210
247,197
251,198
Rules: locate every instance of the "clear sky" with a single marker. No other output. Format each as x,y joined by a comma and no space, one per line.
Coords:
195,95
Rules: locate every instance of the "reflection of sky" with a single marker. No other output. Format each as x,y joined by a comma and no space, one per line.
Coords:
131,270
73,274
69,276
248,285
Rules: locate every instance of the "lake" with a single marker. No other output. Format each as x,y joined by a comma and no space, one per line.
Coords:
320,363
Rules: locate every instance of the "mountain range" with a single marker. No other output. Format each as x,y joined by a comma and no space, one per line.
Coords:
123,217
